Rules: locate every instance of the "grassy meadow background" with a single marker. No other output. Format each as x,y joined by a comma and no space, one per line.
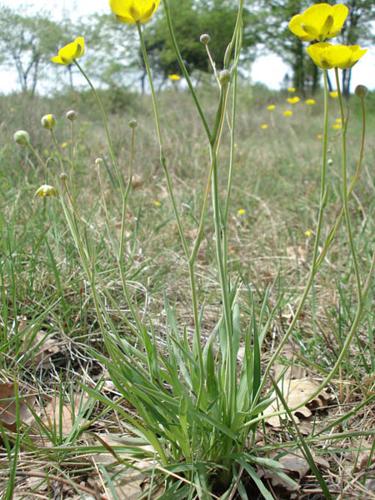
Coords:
64,436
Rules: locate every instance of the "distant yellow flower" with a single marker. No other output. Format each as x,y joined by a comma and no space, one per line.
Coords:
157,203
48,121
338,120
334,94
288,113
134,11
337,126
293,100
70,52
319,22
64,145
264,126
309,233
241,212
328,56
271,107
174,78
46,191
319,137
310,102
291,90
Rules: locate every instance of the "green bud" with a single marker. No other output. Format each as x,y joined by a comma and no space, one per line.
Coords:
361,91
22,138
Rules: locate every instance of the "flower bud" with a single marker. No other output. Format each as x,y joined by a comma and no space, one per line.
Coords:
133,124
46,191
224,77
99,162
48,121
22,138
205,38
71,115
330,162
63,177
361,91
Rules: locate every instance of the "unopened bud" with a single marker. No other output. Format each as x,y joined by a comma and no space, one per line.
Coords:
205,38
99,162
71,115
48,121
361,91
330,161
22,138
224,77
133,124
63,177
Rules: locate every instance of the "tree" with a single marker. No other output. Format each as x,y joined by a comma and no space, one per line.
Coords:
25,43
192,18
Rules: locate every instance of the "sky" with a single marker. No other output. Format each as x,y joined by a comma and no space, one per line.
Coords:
268,69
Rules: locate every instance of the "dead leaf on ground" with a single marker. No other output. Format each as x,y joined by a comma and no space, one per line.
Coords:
54,413
295,392
43,345
8,407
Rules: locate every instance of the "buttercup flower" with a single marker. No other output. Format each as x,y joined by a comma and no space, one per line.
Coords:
174,78
319,22
241,212
157,203
264,126
134,11
271,107
288,113
308,233
310,102
328,56
334,94
48,121
70,52
46,191
291,90
293,100
337,126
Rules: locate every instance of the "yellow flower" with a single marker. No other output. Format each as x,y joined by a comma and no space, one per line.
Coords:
334,94
293,100
157,203
64,145
319,22
319,137
241,212
291,90
328,56
309,233
70,52
271,107
288,113
338,120
48,121
264,126
310,102
45,191
174,78
337,126
134,11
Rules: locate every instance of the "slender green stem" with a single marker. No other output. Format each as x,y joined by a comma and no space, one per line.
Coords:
184,69
353,183
197,337
313,270
345,189
106,126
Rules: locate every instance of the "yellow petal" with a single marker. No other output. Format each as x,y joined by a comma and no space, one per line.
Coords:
134,11
340,13
295,26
